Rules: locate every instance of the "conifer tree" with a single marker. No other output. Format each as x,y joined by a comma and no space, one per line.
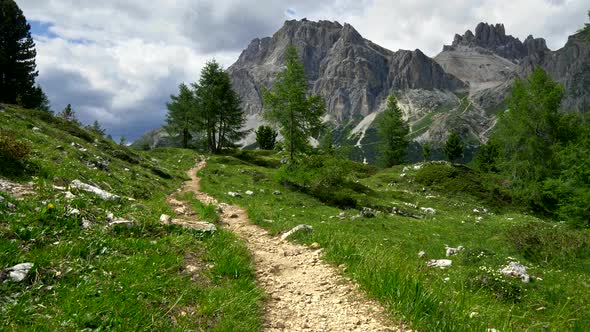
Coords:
266,137
68,114
426,151
219,112
96,128
17,59
182,118
453,148
393,133
289,106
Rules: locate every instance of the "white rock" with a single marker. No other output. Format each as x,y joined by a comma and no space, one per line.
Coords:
74,212
442,263
18,272
249,193
417,167
276,192
36,129
59,188
428,210
453,251
77,184
234,194
86,224
422,254
475,211
405,169
110,217
515,269
296,229
122,222
165,219
2,199
69,196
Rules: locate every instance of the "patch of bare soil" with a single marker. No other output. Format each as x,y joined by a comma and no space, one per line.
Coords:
304,293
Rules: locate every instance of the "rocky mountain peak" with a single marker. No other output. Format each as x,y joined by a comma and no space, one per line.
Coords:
493,38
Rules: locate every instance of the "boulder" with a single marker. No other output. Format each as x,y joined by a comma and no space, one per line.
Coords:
249,193
165,219
16,273
428,210
77,184
122,222
441,263
300,228
453,251
515,269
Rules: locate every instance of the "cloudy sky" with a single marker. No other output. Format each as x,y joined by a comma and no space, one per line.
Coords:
117,61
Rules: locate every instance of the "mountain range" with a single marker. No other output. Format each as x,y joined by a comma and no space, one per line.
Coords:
461,89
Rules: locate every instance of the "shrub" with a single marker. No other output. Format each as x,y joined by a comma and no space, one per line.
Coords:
12,149
549,244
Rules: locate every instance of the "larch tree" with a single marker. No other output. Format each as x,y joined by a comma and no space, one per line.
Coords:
288,105
17,59
181,118
393,133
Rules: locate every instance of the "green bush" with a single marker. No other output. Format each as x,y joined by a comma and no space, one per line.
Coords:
549,244
12,149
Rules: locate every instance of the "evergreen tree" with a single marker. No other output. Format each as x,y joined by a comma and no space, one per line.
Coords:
96,128
68,114
288,105
123,140
182,117
327,142
426,151
219,110
393,133
586,29
266,137
453,148
17,58
487,157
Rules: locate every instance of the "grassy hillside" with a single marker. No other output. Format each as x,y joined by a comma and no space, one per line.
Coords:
379,249
90,275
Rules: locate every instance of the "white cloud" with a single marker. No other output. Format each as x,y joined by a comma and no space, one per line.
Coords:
118,60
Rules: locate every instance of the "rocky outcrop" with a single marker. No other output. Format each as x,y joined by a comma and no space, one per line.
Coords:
569,66
490,38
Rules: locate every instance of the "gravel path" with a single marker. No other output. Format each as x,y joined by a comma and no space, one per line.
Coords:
304,293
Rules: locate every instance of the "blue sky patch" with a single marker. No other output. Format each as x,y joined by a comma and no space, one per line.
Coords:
39,28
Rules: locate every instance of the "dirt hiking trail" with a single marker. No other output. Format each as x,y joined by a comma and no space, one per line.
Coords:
303,293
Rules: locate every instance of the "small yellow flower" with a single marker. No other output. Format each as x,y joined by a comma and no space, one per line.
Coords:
50,206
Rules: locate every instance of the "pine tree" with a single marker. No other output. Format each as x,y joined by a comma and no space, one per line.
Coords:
96,128
453,147
68,114
17,58
393,133
327,142
266,137
182,117
219,112
288,105
426,151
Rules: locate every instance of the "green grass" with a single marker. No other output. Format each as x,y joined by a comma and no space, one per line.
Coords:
149,277
381,253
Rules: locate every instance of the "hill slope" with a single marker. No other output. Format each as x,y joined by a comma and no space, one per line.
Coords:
108,263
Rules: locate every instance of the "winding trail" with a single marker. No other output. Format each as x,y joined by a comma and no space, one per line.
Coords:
304,293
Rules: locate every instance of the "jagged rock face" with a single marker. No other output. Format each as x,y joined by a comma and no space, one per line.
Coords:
493,38
569,66
353,74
